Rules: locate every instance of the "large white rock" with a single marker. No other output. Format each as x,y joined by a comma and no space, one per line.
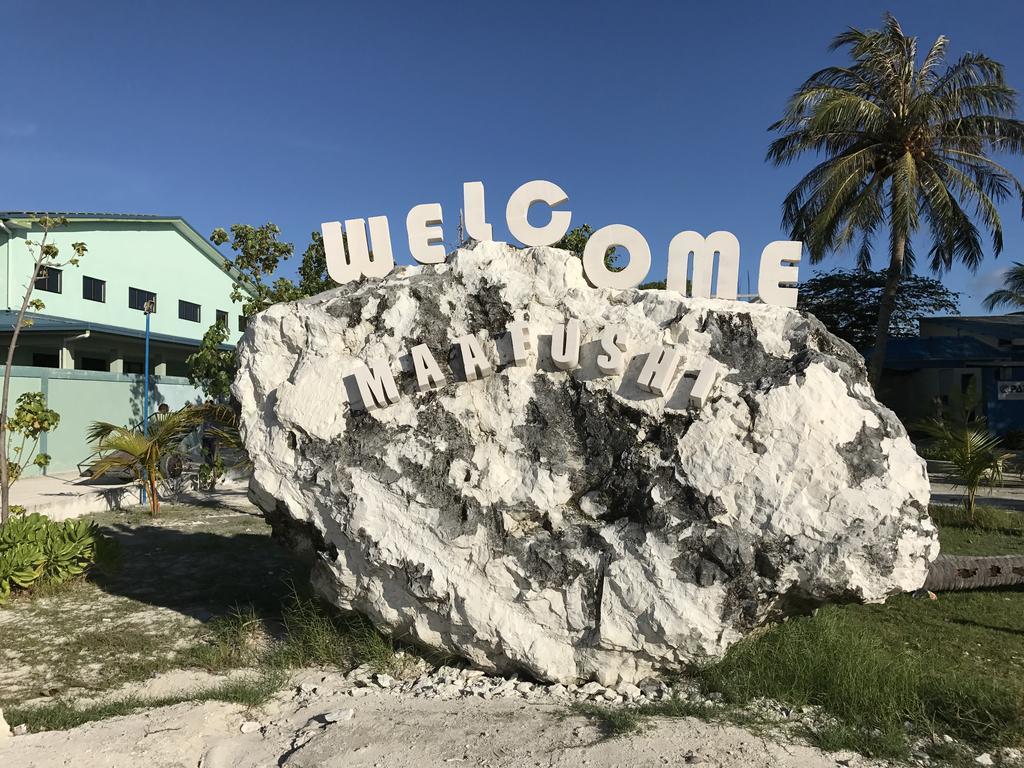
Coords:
568,524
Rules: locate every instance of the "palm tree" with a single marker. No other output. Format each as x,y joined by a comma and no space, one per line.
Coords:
1013,294
904,144
976,455
127,448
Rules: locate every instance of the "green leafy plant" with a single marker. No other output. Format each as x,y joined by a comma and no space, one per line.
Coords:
977,456
30,421
36,550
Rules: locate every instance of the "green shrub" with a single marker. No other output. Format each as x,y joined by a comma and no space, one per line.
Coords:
36,550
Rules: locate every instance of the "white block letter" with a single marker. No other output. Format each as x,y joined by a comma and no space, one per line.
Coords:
474,361
779,267
659,368
377,388
476,212
345,267
608,237
565,345
428,372
426,238
519,206
724,244
611,361
522,341
710,370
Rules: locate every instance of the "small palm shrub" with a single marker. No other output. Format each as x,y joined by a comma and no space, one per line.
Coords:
975,454
36,550
141,450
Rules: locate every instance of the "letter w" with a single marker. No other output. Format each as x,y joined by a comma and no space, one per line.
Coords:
348,254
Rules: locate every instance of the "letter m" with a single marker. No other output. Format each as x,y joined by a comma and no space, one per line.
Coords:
348,253
724,244
376,383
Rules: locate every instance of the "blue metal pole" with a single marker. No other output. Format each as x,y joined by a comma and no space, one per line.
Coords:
145,404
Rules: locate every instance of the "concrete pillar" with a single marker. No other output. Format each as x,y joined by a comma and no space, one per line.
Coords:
160,369
67,356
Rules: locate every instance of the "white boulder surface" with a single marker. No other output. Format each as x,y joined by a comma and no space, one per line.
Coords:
567,524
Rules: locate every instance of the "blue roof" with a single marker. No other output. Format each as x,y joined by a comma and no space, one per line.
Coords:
50,324
1000,326
940,352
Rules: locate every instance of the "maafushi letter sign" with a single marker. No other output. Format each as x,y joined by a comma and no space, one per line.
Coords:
350,257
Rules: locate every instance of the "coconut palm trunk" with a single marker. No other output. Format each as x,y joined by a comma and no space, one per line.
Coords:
885,309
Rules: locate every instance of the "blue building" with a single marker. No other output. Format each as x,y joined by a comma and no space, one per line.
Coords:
953,358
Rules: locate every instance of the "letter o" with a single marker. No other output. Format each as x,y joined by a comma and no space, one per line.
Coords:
518,207
625,237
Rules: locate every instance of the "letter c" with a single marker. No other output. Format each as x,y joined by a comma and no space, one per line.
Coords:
519,206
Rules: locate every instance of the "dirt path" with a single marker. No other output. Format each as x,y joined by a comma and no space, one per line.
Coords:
387,731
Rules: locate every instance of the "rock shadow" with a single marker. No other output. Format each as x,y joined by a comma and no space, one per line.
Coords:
201,574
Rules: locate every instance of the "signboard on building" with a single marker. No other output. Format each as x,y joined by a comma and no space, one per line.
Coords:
1010,390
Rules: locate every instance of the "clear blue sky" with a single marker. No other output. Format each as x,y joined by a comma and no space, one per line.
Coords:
647,114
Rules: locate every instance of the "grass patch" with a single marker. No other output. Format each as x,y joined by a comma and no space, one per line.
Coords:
620,721
986,519
197,589
839,661
993,532
64,714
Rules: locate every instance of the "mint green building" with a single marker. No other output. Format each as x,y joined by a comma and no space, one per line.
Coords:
86,349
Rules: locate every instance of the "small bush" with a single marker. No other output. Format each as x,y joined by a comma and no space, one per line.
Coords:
317,635
35,550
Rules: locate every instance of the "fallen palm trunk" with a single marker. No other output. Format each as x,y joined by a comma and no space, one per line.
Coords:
952,572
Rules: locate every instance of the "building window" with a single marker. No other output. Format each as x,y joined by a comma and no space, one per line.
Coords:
46,360
222,318
242,323
137,299
188,311
93,289
133,366
93,364
49,279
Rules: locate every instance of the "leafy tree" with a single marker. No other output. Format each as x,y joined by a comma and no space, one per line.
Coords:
258,253
45,255
313,277
575,241
124,448
1013,294
212,366
906,143
848,301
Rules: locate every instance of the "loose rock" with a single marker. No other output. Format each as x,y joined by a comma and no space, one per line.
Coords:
338,715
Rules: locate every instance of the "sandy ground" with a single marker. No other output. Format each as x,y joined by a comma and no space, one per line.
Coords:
390,731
